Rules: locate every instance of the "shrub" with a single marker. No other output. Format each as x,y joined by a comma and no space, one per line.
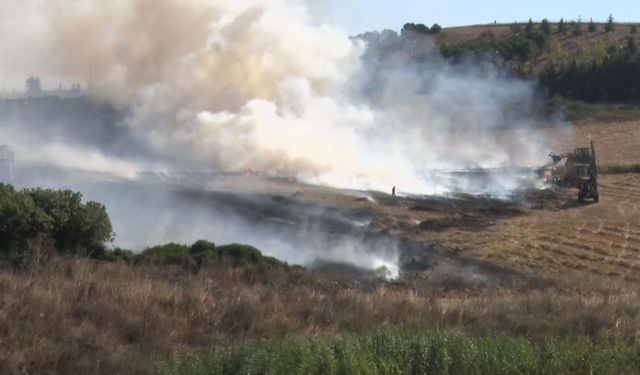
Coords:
203,253
244,255
171,253
119,255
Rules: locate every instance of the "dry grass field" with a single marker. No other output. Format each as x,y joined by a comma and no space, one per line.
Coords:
581,263
82,316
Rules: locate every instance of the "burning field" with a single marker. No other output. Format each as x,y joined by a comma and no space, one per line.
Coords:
171,118
402,191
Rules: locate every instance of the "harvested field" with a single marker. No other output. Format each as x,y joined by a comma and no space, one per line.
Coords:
617,143
540,266
547,233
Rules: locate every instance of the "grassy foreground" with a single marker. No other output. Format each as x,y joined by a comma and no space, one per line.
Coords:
395,352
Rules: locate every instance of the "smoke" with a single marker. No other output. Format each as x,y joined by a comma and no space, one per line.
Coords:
257,84
262,85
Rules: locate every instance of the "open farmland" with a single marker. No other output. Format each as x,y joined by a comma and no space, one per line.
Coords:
540,266
555,235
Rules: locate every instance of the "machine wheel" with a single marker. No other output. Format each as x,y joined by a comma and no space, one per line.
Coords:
582,193
581,196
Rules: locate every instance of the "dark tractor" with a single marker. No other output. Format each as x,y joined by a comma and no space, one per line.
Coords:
581,172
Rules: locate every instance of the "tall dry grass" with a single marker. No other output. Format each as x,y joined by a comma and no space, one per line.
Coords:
84,316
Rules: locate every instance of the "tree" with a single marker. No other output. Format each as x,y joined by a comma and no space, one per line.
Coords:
414,28
515,27
435,29
545,27
631,46
79,228
92,227
633,29
562,27
576,29
21,221
592,26
609,27
529,27
33,86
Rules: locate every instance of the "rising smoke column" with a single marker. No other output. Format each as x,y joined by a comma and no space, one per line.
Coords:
251,84
258,84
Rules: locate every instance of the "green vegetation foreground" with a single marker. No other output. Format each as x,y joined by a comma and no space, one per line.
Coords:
403,353
69,304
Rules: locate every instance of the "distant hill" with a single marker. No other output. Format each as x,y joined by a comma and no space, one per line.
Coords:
592,62
561,47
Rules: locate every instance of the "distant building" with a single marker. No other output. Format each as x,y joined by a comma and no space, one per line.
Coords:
7,164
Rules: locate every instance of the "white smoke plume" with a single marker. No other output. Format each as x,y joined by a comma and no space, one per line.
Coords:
258,84
229,86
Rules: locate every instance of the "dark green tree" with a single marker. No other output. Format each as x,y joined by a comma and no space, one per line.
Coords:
58,216
33,86
22,223
562,27
592,26
516,28
633,29
631,46
413,30
545,27
576,28
435,29
529,27
609,27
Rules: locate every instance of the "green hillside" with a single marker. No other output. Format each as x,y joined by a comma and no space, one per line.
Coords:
576,42
574,60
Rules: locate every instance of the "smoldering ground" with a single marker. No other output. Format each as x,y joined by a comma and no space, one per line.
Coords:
253,85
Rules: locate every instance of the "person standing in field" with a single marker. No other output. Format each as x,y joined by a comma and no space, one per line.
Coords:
393,191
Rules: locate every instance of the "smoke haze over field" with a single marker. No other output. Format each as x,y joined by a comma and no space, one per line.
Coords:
213,85
258,84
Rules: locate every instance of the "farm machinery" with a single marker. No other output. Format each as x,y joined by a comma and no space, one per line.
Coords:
580,171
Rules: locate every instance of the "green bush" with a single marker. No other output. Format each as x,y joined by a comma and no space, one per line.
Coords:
203,253
118,255
244,256
21,220
171,253
31,217
411,353
77,227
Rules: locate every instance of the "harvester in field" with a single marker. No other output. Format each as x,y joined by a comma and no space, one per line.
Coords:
580,171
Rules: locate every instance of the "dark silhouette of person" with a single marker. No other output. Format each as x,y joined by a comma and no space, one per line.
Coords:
393,191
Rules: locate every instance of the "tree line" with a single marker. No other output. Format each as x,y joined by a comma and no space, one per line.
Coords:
613,75
614,79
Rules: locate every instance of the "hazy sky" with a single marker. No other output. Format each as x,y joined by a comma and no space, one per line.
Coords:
366,15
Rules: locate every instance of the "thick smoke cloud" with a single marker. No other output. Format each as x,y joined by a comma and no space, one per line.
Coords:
213,85
257,84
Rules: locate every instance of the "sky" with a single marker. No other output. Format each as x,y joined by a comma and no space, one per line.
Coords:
357,16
